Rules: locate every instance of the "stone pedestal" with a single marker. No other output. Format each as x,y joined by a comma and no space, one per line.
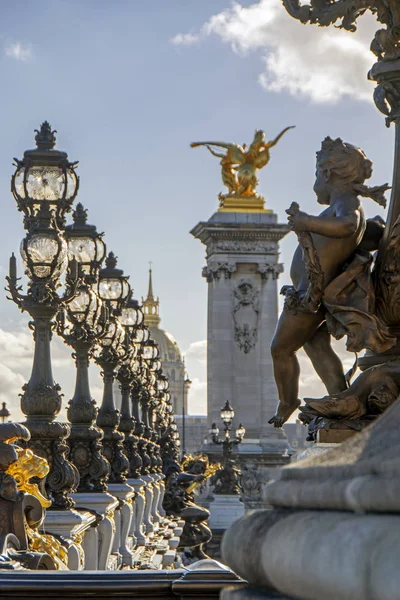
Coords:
137,528
225,510
155,516
104,504
123,517
149,526
71,525
333,532
242,273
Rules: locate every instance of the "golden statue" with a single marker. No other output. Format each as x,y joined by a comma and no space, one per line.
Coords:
239,166
199,464
27,466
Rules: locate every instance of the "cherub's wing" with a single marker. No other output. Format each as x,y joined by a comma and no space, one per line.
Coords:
234,152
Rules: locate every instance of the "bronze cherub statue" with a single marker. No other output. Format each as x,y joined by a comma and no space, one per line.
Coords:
332,292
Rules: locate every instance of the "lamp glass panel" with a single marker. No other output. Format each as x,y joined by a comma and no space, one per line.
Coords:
80,305
128,316
42,250
126,288
227,414
101,249
19,183
71,184
110,289
108,337
147,352
83,249
156,365
139,336
135,365
240,431
45,183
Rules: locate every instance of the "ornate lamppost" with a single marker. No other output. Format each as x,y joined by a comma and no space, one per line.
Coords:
114,290
131,317
44,186
186,384
4,412
149,352
228,477
81,324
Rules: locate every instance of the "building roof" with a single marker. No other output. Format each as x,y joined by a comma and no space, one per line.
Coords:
169,349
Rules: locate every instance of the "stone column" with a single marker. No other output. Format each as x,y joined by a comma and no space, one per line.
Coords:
242,273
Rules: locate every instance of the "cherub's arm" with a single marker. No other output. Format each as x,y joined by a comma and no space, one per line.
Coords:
335,227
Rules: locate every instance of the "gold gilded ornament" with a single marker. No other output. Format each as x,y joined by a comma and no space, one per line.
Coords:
29,465
239,166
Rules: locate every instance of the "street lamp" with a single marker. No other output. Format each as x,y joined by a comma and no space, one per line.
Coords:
44,186
4,412
114,290
85,244
186,385
80,324
44,177
112,350
113,286
228,477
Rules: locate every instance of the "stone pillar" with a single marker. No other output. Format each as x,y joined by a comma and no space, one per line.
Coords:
242,273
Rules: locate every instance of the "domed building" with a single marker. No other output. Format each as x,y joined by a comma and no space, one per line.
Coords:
192,428
170,355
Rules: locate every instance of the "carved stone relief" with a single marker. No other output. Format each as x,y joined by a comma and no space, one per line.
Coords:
246,312
255,246
267,270
251,483
216,270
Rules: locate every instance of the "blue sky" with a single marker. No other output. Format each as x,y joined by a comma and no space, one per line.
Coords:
128,85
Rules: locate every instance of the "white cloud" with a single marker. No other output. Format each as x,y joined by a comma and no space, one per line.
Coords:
197,351
323,64
19,52
196,362
185,39
198,397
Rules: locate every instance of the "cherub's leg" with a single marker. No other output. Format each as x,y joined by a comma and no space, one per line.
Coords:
325,360
294,329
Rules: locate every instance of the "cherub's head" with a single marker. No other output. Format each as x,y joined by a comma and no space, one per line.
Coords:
340,166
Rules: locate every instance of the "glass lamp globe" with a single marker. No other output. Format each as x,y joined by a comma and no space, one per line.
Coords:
240,432
44,255
113,336
113,286
162,383
129,316
44,176
227,413
156,365
140,316
150,350
214,431
85,244
85,307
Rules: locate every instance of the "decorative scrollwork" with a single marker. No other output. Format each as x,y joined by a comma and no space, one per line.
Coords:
386,43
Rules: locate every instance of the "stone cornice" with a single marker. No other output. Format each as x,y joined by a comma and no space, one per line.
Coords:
208,232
